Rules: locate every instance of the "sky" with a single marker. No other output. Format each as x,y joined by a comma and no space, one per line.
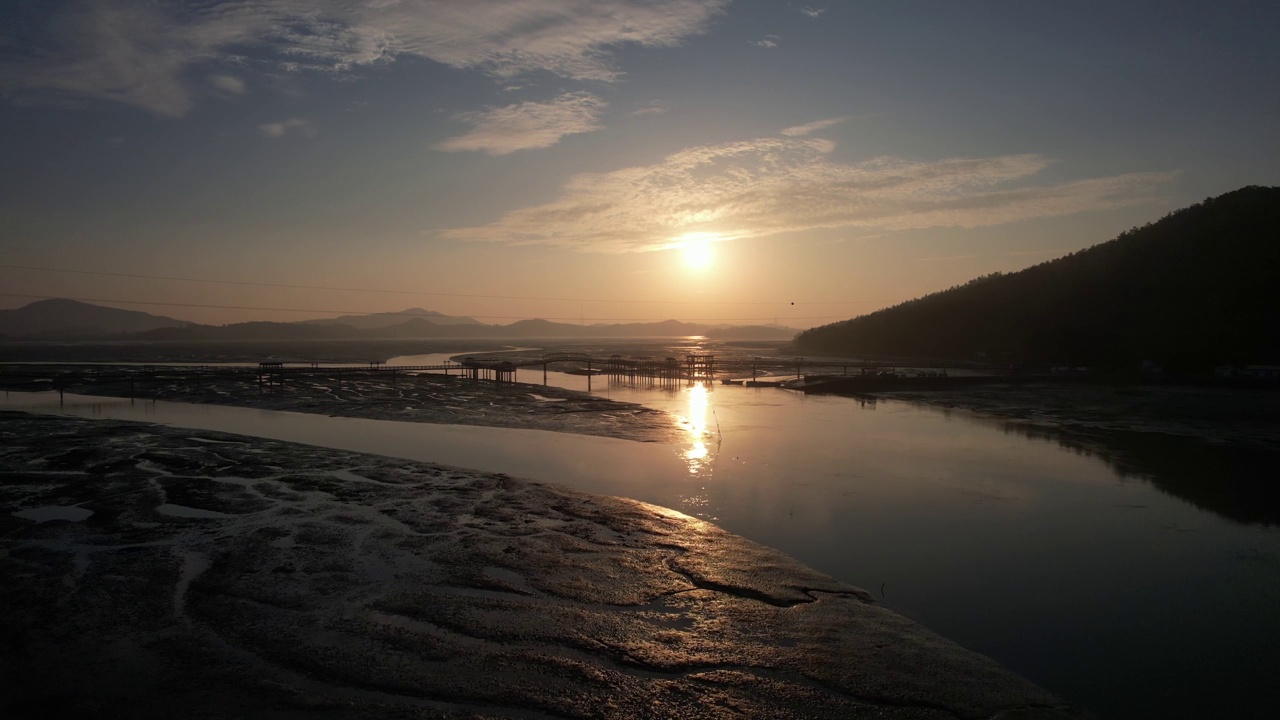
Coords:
738,161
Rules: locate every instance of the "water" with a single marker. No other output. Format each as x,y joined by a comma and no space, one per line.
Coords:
70,513
1119,591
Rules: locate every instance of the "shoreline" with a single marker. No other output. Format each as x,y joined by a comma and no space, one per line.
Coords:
426,398
1221,416
242,576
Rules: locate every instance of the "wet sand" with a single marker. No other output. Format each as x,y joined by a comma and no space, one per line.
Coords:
219,575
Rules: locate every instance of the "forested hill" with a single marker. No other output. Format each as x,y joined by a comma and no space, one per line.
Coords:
1198,288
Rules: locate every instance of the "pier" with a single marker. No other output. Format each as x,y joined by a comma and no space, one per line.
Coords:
807,374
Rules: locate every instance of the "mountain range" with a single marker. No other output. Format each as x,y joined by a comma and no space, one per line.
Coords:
381,320
74,320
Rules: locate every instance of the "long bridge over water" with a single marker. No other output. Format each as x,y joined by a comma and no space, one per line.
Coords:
690,368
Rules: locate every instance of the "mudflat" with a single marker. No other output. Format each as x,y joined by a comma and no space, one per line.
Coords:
213,575
382,395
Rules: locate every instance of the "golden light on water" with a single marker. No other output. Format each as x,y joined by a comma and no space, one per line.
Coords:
696,424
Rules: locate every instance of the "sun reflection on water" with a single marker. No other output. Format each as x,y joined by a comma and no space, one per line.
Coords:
698,455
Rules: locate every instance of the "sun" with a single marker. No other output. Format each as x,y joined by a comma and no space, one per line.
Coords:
697,254
696,248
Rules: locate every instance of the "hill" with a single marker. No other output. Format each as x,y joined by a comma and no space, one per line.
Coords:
421,327
1199,287
381,320
72,319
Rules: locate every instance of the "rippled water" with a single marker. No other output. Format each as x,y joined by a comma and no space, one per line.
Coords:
1120,590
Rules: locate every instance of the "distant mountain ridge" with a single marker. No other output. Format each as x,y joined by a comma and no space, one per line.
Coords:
423,328
1197,288
72,319
379,320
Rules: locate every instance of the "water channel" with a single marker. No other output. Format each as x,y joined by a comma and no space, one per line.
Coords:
1100,585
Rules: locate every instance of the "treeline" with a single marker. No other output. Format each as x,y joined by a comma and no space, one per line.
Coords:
1198,288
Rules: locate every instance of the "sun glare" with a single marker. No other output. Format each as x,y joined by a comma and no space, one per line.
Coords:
697,250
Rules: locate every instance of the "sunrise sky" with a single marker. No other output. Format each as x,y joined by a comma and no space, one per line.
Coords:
738,161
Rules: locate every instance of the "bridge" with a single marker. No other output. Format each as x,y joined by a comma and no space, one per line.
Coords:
668,371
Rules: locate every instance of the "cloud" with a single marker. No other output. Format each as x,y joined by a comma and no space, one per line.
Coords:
812,11
800,130
528,125
292,125
139,53
765,43
229,83
777,185
653,107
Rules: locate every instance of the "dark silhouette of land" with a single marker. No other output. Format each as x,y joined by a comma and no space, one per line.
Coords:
73,320
389,319
1197,288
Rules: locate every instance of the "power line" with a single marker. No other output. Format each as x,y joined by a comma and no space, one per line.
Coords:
394,314
138,276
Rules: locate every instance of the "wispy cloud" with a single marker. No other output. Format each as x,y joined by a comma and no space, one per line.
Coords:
801,130
528,125
768,41
653,107
139,53
286,127
229,83
813,12
776,185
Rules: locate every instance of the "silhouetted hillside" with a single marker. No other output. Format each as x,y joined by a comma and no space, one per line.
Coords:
420,327
257,330
1197,288
74,320
379,320
77,320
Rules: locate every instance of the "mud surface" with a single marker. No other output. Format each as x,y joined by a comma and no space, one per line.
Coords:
214,575
378,396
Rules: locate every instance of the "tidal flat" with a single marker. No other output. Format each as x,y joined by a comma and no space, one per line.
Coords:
377,395
1083,536
215,575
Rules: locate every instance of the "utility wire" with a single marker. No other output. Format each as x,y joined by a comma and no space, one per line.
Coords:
138,276
394,314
